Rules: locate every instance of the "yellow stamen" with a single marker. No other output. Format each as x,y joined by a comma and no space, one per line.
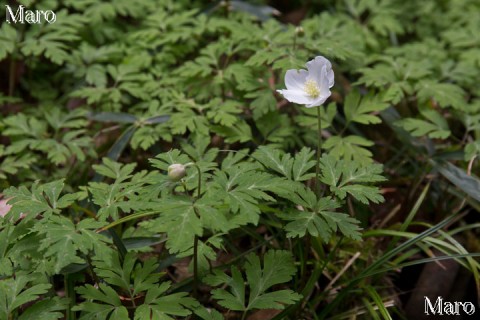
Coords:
311,88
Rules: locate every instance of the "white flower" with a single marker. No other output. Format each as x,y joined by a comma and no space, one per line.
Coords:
310,87
176,171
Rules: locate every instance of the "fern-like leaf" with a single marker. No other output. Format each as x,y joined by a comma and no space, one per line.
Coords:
277,268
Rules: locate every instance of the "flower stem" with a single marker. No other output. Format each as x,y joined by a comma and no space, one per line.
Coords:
319,153
244,314
195,239
199,189
195,266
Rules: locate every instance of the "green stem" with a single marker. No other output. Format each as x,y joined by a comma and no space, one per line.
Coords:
319,153
195,239
199,190
195,266
70,293
244,314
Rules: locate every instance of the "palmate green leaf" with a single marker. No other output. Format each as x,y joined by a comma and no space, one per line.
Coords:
234,158
263,103
362,109
295,169
302,163
418,127
109,268
35,134
179,220
435,127
241,187
386,20
115,198
245,79
208,314
224,113
150,131
18,244
115,170
158,306
181,26
349,177
132,276
276,128
472,149
130,79
277,268
233,300
121,195
335,36
349,148
207,252
265,57
108,11
58,152
8,38
395,92
379,75
53,40
12,164
41,199
48,309
188,120
318,218
395,71
88,62
21,125
239,132
58,119
145,137
446,94
145,276
105,303
63,240
310,219
15,292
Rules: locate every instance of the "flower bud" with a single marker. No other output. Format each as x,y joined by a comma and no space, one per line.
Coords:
176,171
299,32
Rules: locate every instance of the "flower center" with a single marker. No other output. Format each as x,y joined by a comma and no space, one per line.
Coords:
311,88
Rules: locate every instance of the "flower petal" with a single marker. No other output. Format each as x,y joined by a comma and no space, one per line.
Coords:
318,63
330,77
315,68
295,79
320,100
324,89
296,96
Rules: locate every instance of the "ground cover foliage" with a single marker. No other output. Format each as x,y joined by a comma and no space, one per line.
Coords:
99,104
